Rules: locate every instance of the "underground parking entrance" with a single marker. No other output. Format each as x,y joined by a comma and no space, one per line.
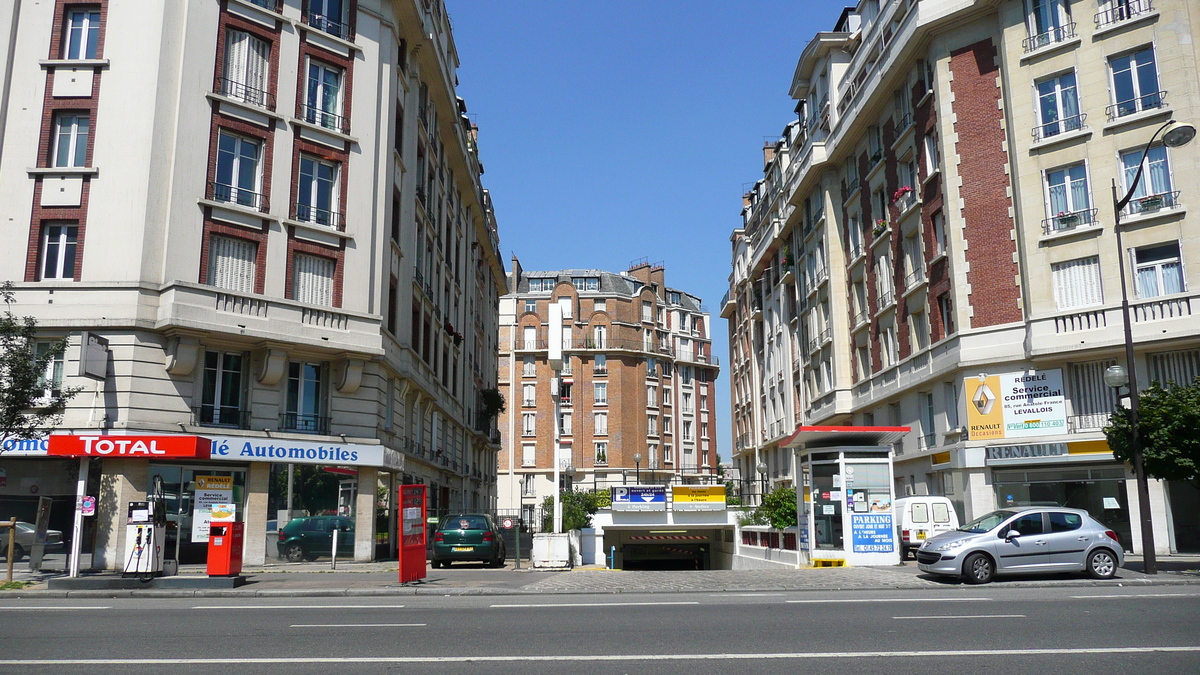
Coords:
665,549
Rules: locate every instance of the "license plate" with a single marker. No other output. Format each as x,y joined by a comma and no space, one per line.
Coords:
463,549
921,534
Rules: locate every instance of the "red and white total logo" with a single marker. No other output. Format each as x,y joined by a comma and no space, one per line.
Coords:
128,446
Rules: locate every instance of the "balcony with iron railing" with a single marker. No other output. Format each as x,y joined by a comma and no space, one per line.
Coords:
272,5
324,118
330,25
818,341
860,319
1068,221
230,417
1053,128
1152,101
1089,422
307,213
1053,36
927,441
304,423
239,91
914,278
1149,204
231,194
1123,11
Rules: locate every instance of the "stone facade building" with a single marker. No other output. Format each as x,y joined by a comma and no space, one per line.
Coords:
258,223
937,224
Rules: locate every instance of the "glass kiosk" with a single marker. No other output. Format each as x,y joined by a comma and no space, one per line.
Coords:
845,511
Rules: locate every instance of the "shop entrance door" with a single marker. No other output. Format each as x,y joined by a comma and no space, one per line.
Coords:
187,517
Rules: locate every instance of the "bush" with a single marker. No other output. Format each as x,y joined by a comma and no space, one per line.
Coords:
578,507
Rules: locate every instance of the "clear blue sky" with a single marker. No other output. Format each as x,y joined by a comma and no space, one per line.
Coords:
612,131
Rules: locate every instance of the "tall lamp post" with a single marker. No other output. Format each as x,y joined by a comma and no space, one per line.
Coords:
1118,377
637,462
762,473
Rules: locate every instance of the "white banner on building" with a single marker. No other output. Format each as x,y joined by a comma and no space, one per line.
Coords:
245,449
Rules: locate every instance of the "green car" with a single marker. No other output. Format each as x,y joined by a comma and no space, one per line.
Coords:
308,538
467,536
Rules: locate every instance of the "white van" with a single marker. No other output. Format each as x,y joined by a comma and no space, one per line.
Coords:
920,518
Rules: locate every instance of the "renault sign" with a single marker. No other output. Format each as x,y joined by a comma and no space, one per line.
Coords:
1016,405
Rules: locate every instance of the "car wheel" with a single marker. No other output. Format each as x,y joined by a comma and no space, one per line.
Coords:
293,553
1102,564
978,569
18,553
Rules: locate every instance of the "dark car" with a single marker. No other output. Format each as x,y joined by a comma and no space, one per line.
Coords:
467,536
311,537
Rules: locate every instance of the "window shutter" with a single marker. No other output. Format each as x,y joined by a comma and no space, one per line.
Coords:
1077,283
257,64
314,280
233,264
235,57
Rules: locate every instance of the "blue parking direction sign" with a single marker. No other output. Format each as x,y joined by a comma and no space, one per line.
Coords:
639,498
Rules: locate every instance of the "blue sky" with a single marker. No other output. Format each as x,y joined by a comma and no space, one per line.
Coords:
613,131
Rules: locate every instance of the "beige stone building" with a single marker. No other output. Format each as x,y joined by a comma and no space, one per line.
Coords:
258,223
940,221
635,397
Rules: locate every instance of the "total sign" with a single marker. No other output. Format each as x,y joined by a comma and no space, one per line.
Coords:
129,446
639,498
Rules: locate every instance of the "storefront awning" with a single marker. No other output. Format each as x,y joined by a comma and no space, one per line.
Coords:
814,437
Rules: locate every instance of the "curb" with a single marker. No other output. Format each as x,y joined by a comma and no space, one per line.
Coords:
401,591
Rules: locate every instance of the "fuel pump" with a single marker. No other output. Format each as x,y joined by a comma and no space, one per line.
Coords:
145,534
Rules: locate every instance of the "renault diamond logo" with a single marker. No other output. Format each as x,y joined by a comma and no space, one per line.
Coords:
984,399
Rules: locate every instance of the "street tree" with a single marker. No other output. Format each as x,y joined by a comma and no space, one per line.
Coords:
1168,419
29,405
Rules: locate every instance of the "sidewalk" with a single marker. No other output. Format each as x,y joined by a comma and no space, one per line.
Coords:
381,579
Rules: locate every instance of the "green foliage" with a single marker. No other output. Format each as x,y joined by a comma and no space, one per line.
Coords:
578,507
731,499
493,401
778,508
24,410
1168,421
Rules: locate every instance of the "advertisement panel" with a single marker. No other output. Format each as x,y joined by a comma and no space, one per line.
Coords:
872,533
211,491
247,449
158,447
639,498
1016,405
413,514
698,497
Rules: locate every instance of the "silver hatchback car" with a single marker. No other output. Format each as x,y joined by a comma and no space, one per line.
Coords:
1024,540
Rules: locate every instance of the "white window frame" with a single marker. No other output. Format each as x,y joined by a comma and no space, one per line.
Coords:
1135,82
529,424
220,370
529,394
247,67
80,23
1157,267
71,127
231,159
600,453
600,393
52,378
309,187
1060,124
528,458
1068,192
60,246
600,423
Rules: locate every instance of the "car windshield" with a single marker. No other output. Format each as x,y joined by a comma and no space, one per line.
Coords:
988,522
464,523
25,527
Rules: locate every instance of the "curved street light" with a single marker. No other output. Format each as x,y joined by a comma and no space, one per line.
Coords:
1182,134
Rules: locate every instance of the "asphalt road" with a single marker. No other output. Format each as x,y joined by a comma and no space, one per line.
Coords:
1083,629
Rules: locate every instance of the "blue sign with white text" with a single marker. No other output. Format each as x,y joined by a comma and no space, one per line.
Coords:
872,533
639,498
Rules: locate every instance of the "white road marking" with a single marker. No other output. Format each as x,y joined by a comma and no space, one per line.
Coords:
964,616
594,604
585,658
1142,595
356,625
49,609
298,607
743,595
893,600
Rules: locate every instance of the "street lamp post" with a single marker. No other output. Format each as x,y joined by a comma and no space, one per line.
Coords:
762,472
637,462
1180,135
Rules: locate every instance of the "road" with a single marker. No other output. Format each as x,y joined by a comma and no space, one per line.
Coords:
1079,629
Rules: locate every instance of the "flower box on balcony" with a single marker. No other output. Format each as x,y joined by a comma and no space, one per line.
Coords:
1067,221
881,226
1150,203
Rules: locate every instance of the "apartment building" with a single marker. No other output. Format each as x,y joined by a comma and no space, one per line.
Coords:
932,245
261,228
634,399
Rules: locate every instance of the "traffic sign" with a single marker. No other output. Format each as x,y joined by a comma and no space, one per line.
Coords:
507,523
639,498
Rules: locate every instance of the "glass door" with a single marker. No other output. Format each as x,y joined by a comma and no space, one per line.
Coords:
188,513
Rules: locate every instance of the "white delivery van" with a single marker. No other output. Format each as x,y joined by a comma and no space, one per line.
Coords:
919,518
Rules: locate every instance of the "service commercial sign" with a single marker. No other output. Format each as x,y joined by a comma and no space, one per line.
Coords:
1016,405
698,497
639,498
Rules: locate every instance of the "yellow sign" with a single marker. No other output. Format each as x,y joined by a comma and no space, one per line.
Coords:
214,482
698,493
985,414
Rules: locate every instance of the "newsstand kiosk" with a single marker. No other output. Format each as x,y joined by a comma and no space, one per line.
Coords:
844,509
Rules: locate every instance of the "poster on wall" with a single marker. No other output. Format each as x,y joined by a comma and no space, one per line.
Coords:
1016,405
210,491
872,533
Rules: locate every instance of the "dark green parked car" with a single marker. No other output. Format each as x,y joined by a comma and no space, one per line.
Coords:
467,536
311,537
